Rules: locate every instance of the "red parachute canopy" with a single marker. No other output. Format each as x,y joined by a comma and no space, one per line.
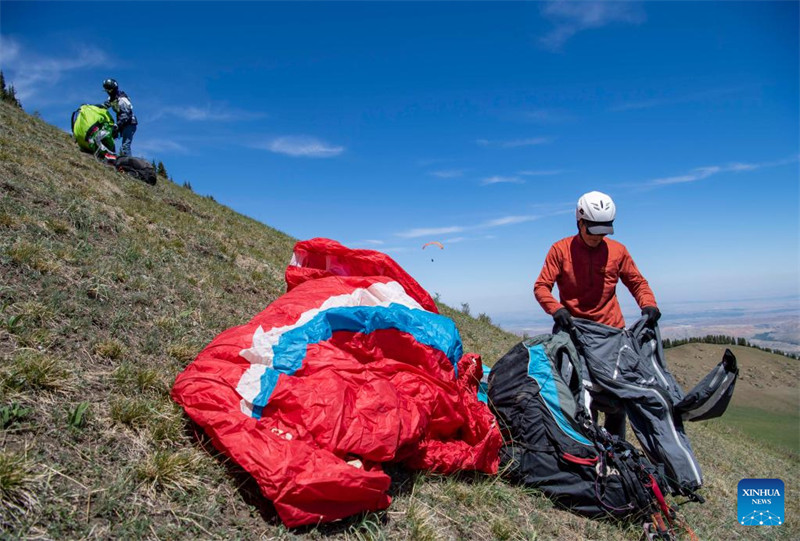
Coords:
433,243
351,368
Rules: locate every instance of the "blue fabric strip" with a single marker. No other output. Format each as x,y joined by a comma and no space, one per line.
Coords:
540,369
427,328
483,386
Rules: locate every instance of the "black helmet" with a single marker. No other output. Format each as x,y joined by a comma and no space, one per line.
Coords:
110,85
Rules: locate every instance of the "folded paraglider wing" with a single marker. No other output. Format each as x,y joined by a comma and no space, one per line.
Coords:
351,368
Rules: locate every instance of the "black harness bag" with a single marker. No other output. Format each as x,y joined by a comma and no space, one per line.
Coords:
551,442
137,168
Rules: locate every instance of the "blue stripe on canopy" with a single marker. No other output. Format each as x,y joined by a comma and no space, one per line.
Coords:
427,328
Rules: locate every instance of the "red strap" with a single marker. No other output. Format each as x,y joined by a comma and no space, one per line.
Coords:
660,497
578,460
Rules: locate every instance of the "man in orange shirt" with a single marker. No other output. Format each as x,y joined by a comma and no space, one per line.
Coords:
586,268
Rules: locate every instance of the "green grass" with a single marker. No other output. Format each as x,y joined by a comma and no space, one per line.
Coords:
132,412
29,370
109,288
143,380
77,417
13,414
766,427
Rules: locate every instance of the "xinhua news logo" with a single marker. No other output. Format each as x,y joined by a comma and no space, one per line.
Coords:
761,502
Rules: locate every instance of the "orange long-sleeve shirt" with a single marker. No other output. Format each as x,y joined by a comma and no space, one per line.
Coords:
587,280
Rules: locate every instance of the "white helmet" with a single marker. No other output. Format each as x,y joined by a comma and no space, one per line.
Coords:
598,210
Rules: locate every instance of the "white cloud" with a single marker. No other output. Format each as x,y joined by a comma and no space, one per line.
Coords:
302,146
571,17
429,232
650,103
546,116
159,146
9,51
456,240
192,113
396,250
700,173
514,143
448,173
366,244
207,113
31,73
488,224
196,113
747,166
502,180
509,220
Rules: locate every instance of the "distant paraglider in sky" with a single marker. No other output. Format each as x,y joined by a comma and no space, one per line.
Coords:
433,243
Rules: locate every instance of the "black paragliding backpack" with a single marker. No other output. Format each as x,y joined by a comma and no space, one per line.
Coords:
551,442
137,168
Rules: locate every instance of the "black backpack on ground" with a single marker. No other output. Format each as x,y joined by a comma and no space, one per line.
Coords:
551,442
137,168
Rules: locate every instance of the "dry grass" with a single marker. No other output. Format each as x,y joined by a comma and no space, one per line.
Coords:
110,349
169,470
109,287
18,488
140,379
30,370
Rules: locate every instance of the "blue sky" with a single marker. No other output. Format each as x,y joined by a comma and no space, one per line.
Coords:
386,125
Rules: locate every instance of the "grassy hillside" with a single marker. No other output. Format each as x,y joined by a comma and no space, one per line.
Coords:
766,404
109,288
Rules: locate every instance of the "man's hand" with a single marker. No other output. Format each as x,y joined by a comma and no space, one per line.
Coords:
653,314
114,131
563,318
